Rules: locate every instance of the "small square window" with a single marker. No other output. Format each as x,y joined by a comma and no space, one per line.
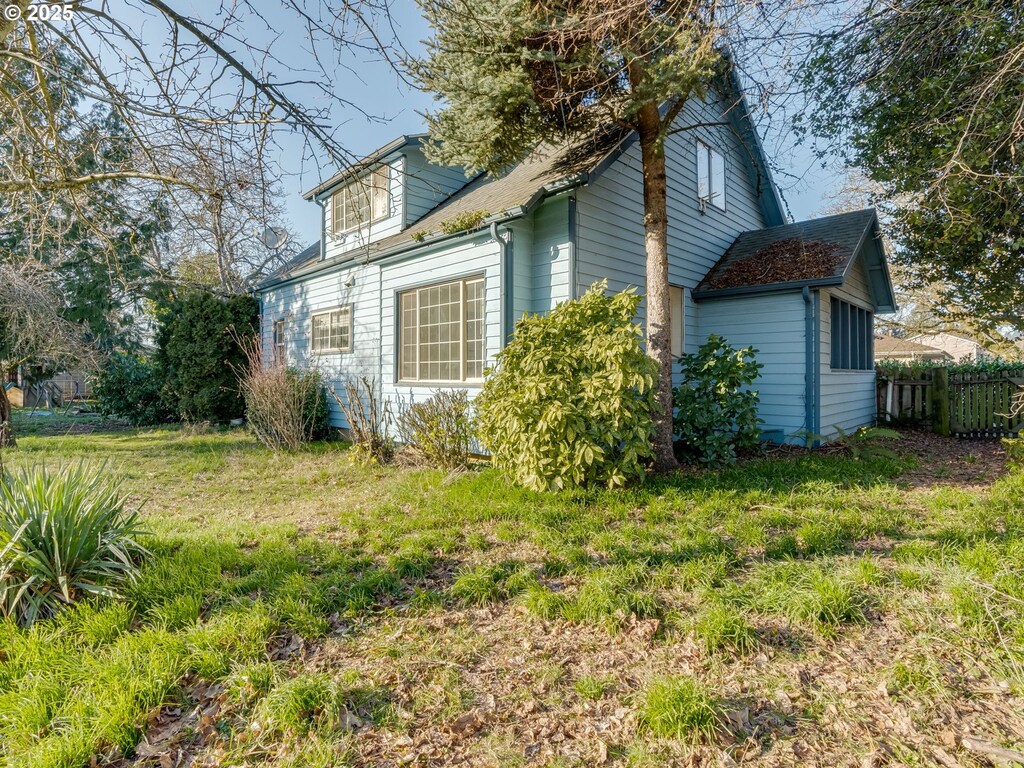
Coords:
332,331
852,337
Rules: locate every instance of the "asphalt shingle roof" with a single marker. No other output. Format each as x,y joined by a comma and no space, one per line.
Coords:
815,250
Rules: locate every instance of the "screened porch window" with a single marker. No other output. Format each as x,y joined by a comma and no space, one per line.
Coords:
332,331
361,202
441,332
852,337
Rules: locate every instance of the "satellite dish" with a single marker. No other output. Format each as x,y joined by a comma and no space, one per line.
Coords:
275,237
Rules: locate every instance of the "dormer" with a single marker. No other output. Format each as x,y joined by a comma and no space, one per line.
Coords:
381,195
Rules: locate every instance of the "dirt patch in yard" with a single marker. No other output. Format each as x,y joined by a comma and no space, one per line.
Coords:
948,461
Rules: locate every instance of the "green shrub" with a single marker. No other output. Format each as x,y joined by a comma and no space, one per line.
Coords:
128,387
68,535
715,410
199,351
440,428
570,401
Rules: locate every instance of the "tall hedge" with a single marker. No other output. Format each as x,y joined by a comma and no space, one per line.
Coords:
198,353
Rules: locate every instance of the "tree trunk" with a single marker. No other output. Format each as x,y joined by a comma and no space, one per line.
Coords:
659,328
6,432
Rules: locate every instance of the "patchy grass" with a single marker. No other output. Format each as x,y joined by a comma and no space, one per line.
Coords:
681,708
300,610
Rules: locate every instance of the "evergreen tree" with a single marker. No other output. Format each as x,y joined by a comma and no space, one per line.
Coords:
925,96
513,74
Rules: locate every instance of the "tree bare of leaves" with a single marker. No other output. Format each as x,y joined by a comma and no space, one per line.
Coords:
194,84
32,328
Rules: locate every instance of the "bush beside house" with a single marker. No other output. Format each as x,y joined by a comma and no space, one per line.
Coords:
569,402
199,354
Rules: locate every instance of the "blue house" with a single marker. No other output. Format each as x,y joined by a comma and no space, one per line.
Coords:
421,273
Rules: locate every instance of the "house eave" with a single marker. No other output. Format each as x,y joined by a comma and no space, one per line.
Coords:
749,290
402,249
358,166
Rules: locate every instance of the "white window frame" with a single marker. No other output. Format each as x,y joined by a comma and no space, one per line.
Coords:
280,343
400,357
378,203
708,158
346,311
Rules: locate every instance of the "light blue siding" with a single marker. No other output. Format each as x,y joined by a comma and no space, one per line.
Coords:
773,324
549,255
847,397
296,303
610,212
428,185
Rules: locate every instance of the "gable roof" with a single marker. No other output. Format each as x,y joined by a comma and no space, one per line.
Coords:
353,169
548,170
818,252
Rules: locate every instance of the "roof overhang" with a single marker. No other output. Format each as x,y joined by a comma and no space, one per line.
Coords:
351,171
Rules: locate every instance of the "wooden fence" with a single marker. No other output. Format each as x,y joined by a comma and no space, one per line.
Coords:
975,404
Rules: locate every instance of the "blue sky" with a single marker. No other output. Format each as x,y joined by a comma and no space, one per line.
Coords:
376,88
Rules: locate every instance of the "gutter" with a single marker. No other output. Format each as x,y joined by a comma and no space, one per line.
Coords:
811,371
753,290
507,280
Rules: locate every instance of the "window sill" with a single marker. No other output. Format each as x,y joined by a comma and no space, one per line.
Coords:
325,352
470,384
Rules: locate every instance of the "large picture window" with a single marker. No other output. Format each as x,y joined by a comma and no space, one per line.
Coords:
332,331
441,332
710,176
852,337
365,200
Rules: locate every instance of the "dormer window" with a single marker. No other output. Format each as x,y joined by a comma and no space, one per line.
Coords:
710,177
361,202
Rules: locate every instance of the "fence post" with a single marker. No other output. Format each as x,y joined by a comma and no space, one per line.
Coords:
940,401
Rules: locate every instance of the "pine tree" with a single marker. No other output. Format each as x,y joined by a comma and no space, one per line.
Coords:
513,74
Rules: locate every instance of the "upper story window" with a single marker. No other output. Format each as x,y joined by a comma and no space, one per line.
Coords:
710,176
852,337
332,331
441,332
361,202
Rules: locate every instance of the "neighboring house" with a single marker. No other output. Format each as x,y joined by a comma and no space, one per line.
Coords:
60,388
957,346
421,273
906,351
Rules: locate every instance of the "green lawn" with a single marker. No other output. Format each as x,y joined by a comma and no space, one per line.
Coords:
302,611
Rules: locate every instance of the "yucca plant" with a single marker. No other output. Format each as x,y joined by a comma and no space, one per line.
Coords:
67,534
